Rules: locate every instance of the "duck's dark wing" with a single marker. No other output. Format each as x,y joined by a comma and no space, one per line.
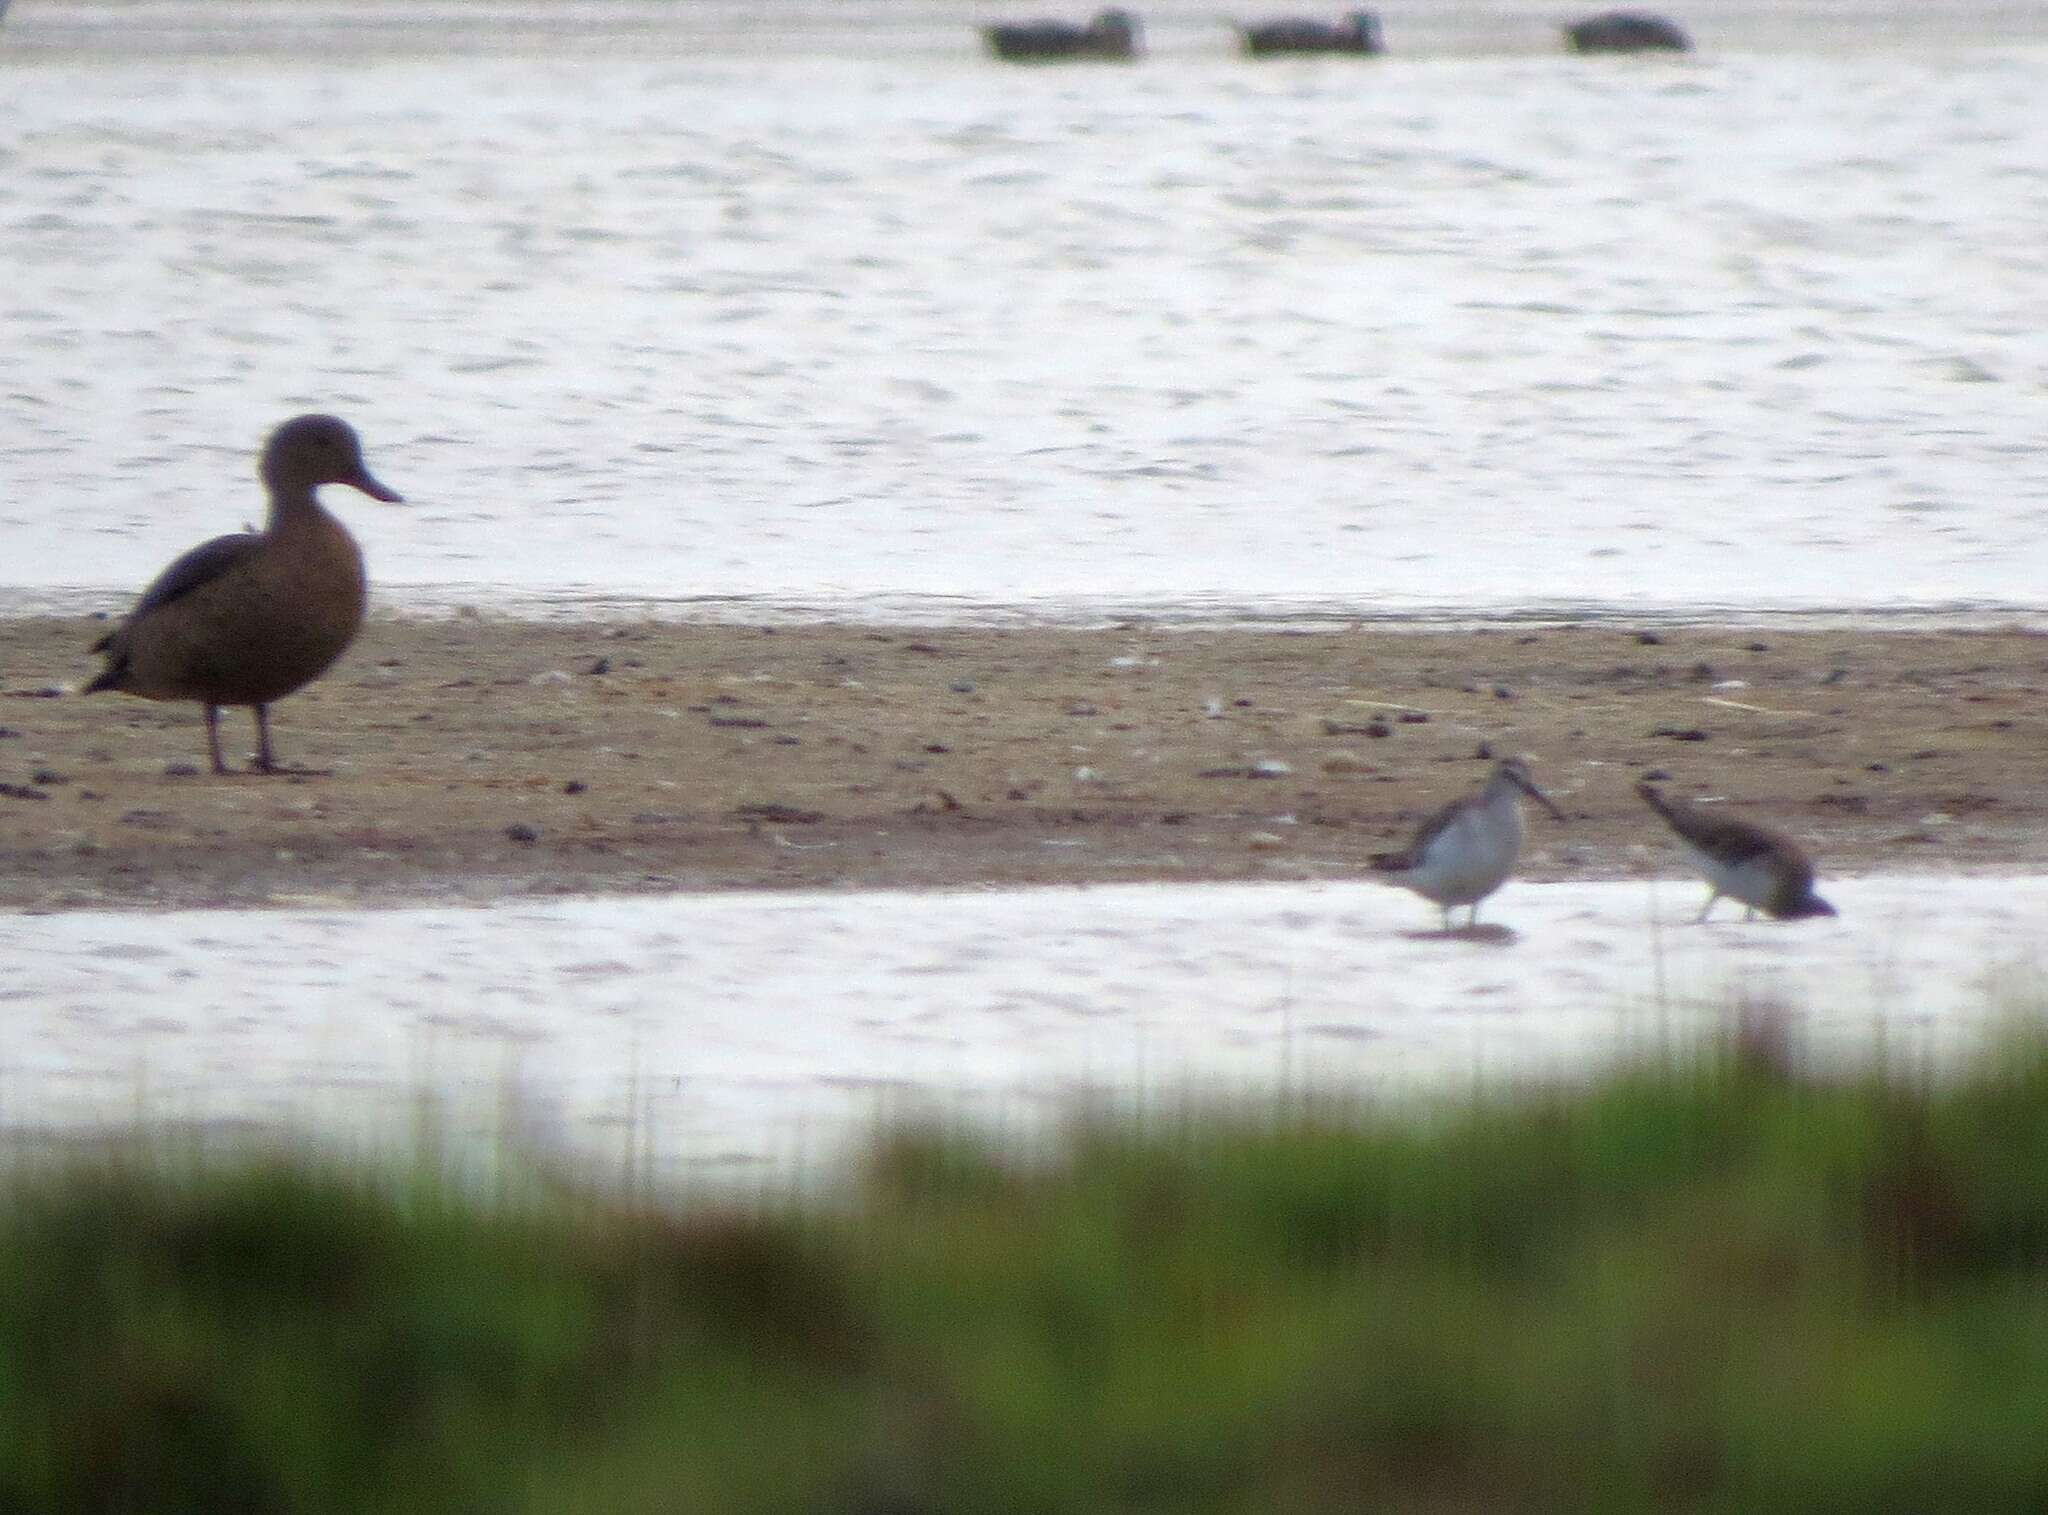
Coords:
1037,39
202,565
1627,32
1290,34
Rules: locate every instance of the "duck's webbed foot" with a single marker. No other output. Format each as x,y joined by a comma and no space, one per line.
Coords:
266,756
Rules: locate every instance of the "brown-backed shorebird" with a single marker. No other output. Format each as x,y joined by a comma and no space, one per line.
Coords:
1466,850
245,619
1742,860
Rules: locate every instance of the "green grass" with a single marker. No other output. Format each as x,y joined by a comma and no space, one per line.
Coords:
1714,1286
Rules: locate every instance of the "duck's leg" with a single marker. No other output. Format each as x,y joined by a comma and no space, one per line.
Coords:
266,755
213,737
266,759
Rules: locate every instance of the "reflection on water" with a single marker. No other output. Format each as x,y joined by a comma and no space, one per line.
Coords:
731,1031
736,310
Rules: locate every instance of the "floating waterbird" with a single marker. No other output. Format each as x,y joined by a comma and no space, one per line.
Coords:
1627,32
1113,36
1742,860
247,618
1358,32
1466,850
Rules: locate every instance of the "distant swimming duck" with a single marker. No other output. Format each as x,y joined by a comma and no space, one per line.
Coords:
1112,36
1466,850
1627,32
1742,860
1359,32
248,618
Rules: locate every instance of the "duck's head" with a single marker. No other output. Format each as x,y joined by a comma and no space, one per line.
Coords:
308,451
1115,26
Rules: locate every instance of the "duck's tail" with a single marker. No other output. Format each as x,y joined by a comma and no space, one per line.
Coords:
115,674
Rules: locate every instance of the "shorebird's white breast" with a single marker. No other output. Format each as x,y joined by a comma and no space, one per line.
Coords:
1471,857
1750,880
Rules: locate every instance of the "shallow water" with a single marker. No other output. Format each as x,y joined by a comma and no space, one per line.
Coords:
718,1034
733,309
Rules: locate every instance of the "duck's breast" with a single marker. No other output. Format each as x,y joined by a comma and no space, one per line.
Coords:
309,595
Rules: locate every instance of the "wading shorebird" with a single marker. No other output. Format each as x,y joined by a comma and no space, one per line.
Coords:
1466,850
1112,37
247,618
1742,860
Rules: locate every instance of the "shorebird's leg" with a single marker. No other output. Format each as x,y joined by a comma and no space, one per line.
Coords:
1446,909
266,759
1749,912
213,737
1709,905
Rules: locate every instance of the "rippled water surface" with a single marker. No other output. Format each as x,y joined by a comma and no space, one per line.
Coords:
716,1034
814,306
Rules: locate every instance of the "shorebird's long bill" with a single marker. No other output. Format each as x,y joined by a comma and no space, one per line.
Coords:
374,490
1528,787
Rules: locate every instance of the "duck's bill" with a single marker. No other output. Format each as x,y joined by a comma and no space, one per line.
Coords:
376,491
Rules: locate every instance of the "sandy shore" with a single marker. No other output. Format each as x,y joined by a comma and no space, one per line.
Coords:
476,759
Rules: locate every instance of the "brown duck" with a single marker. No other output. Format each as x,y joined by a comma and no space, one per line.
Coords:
248,618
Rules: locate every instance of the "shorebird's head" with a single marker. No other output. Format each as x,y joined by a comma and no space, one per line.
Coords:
308,451
1514,771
